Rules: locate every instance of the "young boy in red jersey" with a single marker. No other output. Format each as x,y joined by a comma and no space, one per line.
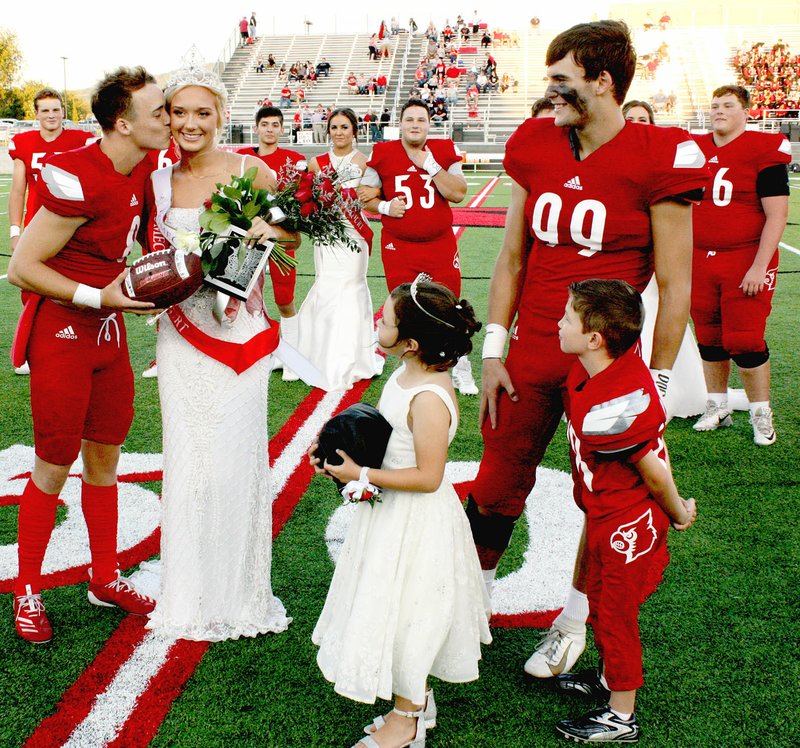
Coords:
615,431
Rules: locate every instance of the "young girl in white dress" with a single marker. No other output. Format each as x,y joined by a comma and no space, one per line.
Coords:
407,599
216,520
336,329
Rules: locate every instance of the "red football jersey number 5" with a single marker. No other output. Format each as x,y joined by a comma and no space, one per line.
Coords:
426,201
547,232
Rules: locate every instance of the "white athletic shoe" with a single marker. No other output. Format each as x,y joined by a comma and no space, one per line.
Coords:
463,380
151,371
555,654
23,370
763,432
714,418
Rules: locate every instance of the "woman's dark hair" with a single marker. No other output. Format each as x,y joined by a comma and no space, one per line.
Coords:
344,112
442,325
633,103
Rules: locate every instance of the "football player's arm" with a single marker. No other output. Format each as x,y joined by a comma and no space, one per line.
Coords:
671,225
16,199
658,479
451,185
776,210
504,289
370,195
43,239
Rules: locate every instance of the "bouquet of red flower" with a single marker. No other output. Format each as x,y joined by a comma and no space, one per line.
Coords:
314,204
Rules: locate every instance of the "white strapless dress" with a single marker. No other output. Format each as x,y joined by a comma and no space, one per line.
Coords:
336,321
216,522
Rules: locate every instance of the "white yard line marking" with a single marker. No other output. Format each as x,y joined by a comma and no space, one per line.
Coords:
783,245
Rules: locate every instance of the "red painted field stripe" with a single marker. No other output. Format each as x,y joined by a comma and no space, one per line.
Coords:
477,202
154,704
540,619
77,700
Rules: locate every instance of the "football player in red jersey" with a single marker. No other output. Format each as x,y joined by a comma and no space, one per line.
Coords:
592,197
29,150
736,233
626,490
73,254
269,127
417,179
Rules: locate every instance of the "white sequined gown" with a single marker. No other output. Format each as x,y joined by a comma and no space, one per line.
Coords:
407,597
336,322
216,522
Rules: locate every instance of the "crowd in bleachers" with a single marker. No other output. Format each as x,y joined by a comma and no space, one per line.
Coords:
771,74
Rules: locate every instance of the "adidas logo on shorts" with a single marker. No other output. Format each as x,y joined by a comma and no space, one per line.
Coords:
574,184
67,333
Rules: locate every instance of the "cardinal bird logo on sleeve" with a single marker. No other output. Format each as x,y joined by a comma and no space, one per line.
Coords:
635,538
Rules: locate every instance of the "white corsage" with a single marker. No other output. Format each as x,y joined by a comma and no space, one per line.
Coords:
359,490
188,241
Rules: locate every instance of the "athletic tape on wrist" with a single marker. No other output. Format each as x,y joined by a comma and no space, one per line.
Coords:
431,166
88,296
494,344
383,207
661,378
14,230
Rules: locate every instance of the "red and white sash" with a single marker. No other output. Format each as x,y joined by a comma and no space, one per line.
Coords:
351,212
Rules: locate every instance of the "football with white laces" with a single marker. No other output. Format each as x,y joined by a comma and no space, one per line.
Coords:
164,277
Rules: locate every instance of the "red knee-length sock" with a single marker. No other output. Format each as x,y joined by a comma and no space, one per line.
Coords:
100,512
37,517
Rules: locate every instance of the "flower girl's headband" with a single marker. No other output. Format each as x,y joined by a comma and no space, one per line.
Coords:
425,278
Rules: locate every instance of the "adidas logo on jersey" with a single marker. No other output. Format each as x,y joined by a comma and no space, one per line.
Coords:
713,160
390,246
134,201
67,333
574,184
412,168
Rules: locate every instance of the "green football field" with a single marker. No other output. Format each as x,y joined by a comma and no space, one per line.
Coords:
720,637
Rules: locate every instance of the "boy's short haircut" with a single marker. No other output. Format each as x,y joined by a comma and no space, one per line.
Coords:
412,102
541,105
611,307
112,98
46,93
598,46
269,111
740,92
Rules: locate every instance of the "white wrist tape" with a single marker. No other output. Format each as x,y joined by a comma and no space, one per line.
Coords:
88,296
383,207
494,344
661,378
431,166
14,230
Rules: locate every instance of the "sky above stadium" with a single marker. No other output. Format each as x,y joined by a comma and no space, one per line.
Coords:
99,37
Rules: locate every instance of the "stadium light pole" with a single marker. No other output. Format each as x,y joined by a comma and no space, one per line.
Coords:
66,98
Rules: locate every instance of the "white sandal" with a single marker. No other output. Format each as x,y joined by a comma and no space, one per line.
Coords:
428,714
418,741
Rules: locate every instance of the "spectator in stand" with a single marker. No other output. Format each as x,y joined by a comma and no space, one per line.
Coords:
244,32
305,116
451,94
394,26
352,83
293,72
464,34
386,47
482,82
259,64
386,118
299,95
665,21
476,23
323,68
286,97
373,47
361,83
659,100
505,82
251,26
486,39
447,32
318,125
283,74
297,124
381,83
542,108
412,26
472,92
639,111
270,60
491,64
